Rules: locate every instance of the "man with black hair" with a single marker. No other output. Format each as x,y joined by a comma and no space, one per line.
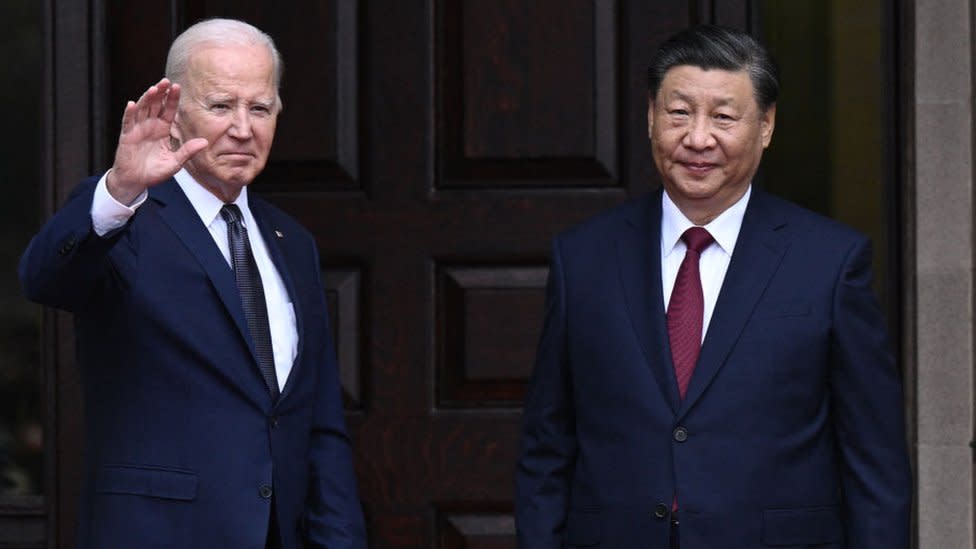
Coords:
713,372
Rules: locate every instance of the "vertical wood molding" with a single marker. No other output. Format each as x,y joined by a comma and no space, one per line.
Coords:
68,154
899,44
49,391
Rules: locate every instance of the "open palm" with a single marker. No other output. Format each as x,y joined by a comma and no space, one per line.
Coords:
145,156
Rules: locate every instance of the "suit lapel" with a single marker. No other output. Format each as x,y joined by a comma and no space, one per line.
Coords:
178,213
281,246
639,258
758,253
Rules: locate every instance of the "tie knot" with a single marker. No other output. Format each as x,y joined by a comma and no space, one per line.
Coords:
231,213
697,239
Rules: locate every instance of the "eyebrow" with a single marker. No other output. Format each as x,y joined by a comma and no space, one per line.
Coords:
224,97
727,100
218,97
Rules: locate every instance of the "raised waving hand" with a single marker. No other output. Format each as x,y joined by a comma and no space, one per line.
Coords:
146,155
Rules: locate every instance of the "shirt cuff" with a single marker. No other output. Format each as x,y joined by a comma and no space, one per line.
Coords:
108,213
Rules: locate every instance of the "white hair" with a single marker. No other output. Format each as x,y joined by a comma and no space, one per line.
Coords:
219,32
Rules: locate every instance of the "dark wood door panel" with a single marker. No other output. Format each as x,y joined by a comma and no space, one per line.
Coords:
482,528
526,93
417,461
478,307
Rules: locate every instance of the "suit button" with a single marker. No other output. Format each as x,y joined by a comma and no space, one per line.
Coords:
265,491
67,246
273,420
681,434
660,511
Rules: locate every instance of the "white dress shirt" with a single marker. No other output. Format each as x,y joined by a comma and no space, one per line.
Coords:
108,214
714,260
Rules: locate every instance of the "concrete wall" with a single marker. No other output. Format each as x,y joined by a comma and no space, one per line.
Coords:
943,209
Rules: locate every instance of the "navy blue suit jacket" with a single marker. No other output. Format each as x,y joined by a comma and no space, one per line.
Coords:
183,441
791,433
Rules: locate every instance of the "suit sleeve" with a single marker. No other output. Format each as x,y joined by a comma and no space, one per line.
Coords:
333,515
548,441
65,263
868,414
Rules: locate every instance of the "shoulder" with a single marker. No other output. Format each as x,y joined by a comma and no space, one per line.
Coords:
266,212
803,223
636,213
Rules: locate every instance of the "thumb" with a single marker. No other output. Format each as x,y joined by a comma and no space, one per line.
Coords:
190,148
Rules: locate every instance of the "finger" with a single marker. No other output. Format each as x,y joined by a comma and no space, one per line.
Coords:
164,88
128,116
189,149
145,103
172,103
157,107
152,101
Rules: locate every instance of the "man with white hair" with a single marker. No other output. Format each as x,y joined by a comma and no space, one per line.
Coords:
213,409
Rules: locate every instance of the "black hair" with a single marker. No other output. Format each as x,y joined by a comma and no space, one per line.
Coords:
714,47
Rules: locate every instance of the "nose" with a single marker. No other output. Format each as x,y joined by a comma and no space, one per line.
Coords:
699,134
240,126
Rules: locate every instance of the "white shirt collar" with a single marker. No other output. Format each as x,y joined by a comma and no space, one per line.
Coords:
203,201
724,228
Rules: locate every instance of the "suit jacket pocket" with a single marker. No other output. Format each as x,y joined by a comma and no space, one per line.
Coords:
802,526
147,480
583,528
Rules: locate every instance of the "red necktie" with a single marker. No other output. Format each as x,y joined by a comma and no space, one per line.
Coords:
686,309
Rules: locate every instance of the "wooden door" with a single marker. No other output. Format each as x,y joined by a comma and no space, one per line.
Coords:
434,147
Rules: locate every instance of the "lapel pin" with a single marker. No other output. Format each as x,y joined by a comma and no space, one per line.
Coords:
279,234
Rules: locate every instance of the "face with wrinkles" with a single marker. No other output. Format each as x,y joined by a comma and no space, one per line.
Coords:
707,135
229,99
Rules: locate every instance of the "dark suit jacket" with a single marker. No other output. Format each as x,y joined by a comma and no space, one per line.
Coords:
183,442
791,434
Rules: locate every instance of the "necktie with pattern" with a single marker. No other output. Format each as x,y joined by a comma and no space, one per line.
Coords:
686,309
252,294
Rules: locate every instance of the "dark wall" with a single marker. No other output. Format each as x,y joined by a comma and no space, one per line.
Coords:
20,167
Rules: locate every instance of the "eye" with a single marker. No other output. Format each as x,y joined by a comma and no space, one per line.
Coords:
724,117
220,107
678,112
261,109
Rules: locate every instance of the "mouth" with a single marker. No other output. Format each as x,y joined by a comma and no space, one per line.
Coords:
698,168
237,156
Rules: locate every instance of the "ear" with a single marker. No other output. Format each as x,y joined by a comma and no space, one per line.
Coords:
650,117
767,121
